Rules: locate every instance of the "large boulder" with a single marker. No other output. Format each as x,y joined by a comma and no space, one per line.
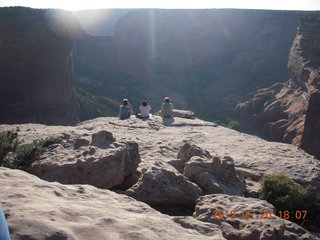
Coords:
102,138
72,163
216,175
40,210
247,219
186,152
161,184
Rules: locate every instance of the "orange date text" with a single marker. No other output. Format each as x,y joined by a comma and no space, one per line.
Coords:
245,214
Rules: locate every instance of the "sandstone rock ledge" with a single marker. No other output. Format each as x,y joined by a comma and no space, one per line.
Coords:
252,156
42,210
39,210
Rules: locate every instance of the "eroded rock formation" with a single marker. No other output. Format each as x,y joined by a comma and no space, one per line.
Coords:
289,111
161,184
103,164
216,175
213,174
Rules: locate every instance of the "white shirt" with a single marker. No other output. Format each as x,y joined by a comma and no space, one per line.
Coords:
145,111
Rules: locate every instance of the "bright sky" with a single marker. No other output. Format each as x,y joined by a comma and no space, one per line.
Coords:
95,4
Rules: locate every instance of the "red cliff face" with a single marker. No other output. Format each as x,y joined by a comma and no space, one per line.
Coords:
290,112
307,48
36,66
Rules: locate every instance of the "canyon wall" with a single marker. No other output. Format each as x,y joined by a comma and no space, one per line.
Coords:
290,111
36,66
209,57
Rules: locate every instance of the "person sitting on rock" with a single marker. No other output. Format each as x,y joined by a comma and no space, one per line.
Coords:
167,108
144,110
125,110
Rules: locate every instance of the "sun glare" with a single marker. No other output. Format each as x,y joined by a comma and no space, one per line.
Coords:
96,4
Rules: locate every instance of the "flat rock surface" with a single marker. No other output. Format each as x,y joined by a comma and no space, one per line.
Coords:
251,155
39,210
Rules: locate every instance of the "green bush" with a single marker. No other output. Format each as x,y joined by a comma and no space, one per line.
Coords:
8,143
287,195
26,154
93,106
228,123
232,124
22,155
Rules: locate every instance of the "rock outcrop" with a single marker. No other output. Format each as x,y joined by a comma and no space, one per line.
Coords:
212,174
247,218
36,66
289,111
83,212
104,166
186,152
215,175
252,156
51,210
161,184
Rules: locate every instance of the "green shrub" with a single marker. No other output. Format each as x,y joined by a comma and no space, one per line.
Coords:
26,154
232,124
94,106
22,155
287,195
228,123
8,143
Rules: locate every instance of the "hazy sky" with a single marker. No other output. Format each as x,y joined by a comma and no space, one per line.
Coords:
94,4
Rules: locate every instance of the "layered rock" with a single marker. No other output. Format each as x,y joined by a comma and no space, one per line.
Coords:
212,174
36,66
246,218
215,175
103,164
277,111
289,112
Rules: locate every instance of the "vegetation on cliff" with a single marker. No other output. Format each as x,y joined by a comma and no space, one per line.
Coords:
289,197
94,106
16,154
